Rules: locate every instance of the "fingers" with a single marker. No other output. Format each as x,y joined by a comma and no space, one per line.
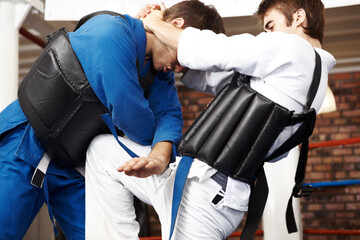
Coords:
162,6
145,10
142,167
133,164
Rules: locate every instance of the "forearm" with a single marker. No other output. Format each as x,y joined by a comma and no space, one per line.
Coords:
162,151
166,32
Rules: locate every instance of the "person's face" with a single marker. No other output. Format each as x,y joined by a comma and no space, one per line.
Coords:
167,61
274,21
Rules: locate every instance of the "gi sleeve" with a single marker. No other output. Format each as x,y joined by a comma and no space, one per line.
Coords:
164,102
256,56
214,81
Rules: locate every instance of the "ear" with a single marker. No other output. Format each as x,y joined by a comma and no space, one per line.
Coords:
300,17
178,22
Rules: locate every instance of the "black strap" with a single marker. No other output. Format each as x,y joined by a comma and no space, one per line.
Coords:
259,194
91,15
315,82
257,203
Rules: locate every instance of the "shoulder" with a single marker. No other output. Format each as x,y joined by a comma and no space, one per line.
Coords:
326,58
284,40
287,46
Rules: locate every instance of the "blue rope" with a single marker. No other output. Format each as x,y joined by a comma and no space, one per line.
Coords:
334,183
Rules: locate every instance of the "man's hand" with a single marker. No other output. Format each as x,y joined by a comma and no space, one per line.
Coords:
143,167
155,163
145,10
151,14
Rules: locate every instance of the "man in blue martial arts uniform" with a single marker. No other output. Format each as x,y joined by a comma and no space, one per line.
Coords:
108,48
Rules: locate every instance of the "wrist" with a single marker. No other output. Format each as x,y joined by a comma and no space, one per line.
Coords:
162,151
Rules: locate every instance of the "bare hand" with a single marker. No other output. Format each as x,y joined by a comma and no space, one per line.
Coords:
145,10
143,167
152,15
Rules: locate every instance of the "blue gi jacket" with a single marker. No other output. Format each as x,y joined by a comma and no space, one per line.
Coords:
107,47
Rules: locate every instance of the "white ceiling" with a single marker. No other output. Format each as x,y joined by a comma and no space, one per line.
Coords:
342,35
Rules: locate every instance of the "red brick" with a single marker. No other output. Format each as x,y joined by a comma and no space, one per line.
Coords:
322,168
328,129
322,121
341,121
332,115
189,116
315,207
332,160
345,198
195,94
353,206
350,84
341,175
357,151
193,108
345,214
352,159
309,215
340,136
354,175
353,113
343,106
356,75
315,175
204,100
342,151
348,166
349,128
339,76
358,198
314,160
346,98
315,237
352,189
335,206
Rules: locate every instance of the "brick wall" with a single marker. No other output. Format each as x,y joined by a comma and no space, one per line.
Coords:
330,207
336,207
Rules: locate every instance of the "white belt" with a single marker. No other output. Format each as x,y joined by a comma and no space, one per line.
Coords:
40,171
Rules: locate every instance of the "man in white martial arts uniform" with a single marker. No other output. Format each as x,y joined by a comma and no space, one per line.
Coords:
280,62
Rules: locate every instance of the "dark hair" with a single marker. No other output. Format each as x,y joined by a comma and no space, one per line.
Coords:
315,14
196,14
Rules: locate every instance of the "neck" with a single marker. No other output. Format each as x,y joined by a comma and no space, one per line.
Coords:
149,45
154,47
314,42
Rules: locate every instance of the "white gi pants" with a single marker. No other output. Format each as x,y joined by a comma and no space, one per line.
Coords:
109,201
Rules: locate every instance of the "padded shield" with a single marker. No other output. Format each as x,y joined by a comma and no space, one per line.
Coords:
59,103
236,131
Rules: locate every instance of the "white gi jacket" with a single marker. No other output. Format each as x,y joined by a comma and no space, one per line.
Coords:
281,67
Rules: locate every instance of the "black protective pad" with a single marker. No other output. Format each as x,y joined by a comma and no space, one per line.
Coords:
59,103
236,131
